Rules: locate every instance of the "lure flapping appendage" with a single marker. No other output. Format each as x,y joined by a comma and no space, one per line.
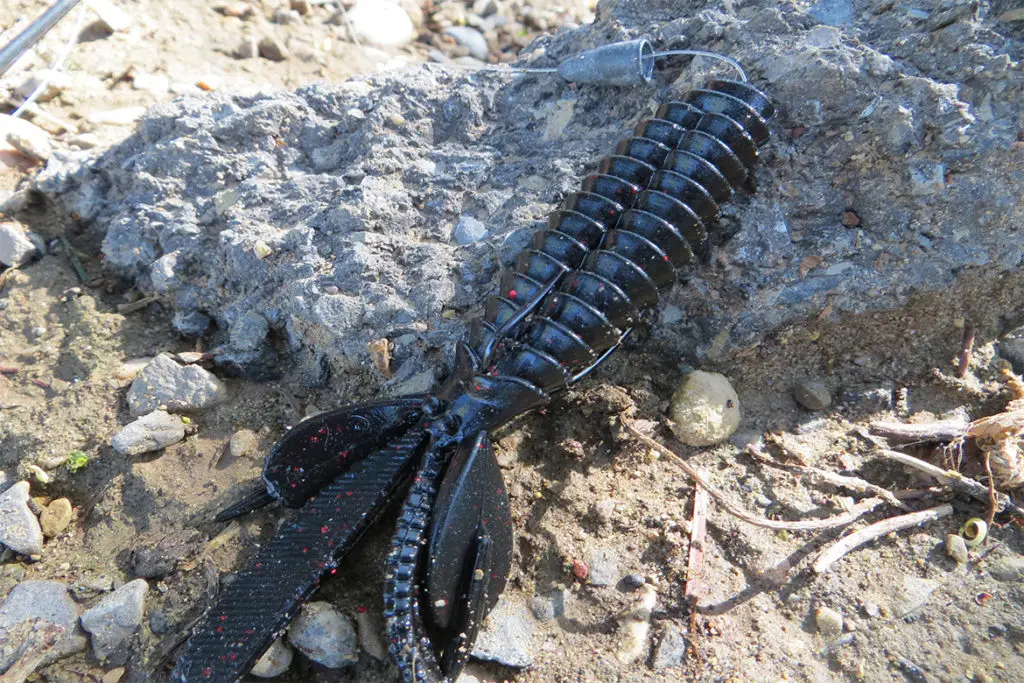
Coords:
569,301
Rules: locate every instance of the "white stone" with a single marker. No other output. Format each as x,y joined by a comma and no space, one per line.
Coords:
381,22
325,635
110,15
705,409
165,384
116,617
274,662
15,246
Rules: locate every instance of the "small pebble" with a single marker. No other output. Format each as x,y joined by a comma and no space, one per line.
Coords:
604,567
469,230
956,547
16,248
381,22
116,618
111,16
812,394
1009,569
671,651
604,510
149,433
829,622
705,409
275,661
56,517
19,528
325,635
242,443
633,581
871,609
506,636
114,675
470,39
273,49
247,49
370,625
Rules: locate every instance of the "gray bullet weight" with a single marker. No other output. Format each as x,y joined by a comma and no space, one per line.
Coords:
627,63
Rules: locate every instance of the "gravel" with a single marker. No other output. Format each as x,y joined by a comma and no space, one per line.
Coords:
117,616
19,528
149,433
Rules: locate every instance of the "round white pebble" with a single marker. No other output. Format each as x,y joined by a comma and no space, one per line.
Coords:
275,661
705,409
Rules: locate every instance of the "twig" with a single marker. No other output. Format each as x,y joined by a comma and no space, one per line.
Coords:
869,533
945,430
966,349
858,510
991,490
852,483
955,481
698,529
59,124
73,257
9,369
137,305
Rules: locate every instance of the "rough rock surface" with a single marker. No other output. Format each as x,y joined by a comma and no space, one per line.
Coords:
506,635
325,635
31,613
329,212
116,618
166,385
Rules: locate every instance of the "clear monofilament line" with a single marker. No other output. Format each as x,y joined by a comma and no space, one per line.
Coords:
703,53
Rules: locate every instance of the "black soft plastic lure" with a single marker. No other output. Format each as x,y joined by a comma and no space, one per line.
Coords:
571,299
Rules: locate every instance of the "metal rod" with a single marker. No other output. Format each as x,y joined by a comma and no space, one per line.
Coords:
10,53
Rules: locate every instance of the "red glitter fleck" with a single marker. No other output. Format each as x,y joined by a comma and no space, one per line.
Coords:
220,629
314,439
305,550
208,671
361,609
512,294
322,431
324,529
580,570
343,454
223,617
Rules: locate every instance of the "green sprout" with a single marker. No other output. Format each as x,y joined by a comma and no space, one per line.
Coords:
77,460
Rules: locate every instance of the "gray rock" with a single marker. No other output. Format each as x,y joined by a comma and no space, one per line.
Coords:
249,331
271,48
160,560
604,567
506,636
19,528
190,323
469,38
812,394
325,635
1011,347
1009,569
274,662
149,433
469,230
117,616
911,594
15,246
34,614
166,385
548,606
671,649
824,37
352,207
828,621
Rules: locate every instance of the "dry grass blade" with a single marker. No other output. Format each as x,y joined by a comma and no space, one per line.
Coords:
858,510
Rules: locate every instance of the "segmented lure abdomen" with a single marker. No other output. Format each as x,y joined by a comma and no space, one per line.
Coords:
616,243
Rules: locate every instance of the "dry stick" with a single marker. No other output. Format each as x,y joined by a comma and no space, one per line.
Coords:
695,562
857,511
955,481
869,533
853,483
991,490
966,349
944,430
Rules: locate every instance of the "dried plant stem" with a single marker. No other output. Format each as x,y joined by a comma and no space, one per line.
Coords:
991,490
858,510
955,481
966,350
869,533
945,430
698,530
852,483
